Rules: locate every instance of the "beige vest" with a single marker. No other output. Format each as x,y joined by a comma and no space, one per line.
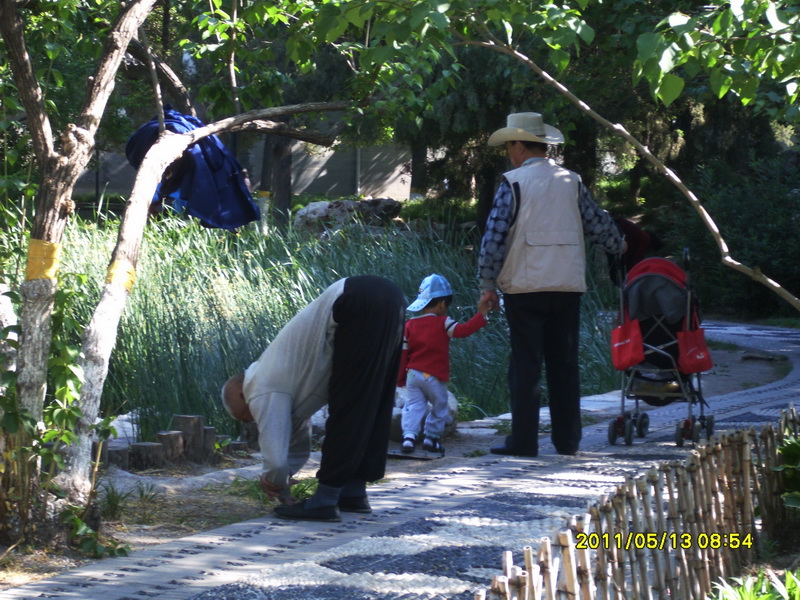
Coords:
545,243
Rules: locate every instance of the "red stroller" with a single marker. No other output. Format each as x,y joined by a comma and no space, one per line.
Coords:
656,291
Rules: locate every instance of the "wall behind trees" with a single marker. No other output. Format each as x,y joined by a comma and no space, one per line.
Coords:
379,171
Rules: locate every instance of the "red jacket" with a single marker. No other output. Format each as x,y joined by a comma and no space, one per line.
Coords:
426,344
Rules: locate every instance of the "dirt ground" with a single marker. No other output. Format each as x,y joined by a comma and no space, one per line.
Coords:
149,515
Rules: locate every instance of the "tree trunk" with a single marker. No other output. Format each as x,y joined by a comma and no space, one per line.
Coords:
101,333
59,172
282,180
419,169
487,182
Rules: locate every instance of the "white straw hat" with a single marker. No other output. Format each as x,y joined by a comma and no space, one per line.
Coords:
529,127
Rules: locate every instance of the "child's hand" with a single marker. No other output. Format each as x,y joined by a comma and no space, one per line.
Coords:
485,304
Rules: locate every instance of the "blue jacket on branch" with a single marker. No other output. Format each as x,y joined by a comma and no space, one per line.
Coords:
206,181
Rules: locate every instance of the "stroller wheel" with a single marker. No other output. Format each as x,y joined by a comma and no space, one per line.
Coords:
642,424
697,431
629,432
709,426
612,431
679,434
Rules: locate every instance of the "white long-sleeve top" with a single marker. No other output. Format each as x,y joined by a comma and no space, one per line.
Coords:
289,383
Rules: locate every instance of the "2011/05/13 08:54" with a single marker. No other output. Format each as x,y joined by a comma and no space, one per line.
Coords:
659,541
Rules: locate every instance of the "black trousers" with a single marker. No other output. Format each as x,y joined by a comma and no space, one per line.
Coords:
369,318
544,326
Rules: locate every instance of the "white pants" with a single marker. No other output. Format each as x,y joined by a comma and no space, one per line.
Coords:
422,389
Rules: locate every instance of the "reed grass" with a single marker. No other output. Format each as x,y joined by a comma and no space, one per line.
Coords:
207,302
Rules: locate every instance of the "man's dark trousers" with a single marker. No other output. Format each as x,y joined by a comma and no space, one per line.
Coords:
544,326
366,357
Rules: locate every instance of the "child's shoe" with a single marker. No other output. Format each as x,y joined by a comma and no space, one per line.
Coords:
408,444
433,445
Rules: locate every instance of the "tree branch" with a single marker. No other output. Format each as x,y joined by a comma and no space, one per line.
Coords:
312,137
151,70
175,90
725,255
30,92
243,120
101,85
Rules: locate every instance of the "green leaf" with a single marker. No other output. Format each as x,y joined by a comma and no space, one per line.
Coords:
585,32
559,58
667,59
678,21
647,44
58,77
692,68
747,89
439,20
792,499
720,82
11,422
723,24
670,88
52,50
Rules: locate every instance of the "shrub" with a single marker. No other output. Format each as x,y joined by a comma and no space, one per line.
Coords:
757,209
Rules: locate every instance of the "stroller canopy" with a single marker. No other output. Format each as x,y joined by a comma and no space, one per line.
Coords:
656,287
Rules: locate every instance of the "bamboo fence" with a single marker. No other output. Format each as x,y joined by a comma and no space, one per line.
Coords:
670,533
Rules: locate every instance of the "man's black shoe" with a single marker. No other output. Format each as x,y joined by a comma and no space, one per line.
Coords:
299,512
567,452
355,505
506,451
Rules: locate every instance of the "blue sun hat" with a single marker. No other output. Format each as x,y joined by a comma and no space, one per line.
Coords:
433,286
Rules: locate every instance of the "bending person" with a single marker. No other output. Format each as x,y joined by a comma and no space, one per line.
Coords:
342,350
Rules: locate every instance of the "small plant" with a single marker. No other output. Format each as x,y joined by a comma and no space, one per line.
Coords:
147,497
305,488
503,428
87,539
764,586
475,453
790,469
112,501
247,488
221,444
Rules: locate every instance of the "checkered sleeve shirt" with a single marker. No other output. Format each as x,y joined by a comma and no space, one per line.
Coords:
598,227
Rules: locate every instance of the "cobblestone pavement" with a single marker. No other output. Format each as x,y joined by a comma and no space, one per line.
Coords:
432,536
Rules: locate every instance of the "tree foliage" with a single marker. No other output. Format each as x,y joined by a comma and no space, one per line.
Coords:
747,48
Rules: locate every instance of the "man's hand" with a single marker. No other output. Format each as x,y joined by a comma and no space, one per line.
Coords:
273,491
491,298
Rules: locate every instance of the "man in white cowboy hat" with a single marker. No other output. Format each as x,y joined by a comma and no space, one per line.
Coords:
533,252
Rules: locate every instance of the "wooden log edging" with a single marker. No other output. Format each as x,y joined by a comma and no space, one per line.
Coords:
672,532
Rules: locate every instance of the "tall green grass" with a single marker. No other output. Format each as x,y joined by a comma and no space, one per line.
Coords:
206,303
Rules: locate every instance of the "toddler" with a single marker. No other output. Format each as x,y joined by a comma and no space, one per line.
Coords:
425,361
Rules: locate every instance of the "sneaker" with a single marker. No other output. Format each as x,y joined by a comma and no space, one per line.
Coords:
408,444
433,445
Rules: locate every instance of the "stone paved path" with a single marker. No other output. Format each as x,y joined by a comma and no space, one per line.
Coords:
432,536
